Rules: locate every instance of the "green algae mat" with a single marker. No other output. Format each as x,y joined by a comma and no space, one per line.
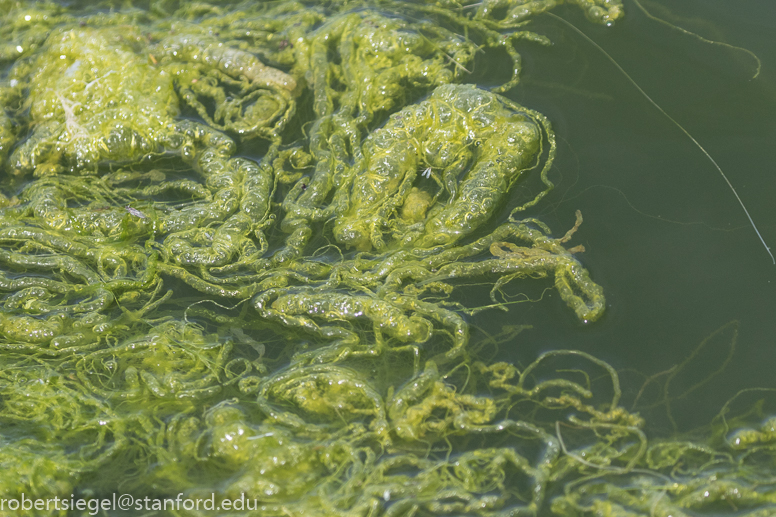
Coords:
244,247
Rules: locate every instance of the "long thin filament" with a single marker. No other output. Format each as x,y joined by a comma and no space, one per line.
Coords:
677,124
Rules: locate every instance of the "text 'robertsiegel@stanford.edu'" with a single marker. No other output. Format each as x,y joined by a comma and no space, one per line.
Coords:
126,502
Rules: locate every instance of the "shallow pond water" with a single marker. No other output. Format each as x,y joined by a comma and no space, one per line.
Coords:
663,233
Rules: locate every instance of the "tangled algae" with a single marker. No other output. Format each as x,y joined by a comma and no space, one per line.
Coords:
235,239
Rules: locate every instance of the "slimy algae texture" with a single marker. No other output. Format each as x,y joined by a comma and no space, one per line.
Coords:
234,239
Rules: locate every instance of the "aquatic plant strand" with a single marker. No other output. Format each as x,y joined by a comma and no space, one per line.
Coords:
681,128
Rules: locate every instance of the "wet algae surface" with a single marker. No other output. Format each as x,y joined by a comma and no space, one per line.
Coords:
386,258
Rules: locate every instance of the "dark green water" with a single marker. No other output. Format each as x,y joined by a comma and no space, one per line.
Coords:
664,235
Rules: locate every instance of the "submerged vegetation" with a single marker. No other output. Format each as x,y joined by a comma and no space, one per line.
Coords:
236,244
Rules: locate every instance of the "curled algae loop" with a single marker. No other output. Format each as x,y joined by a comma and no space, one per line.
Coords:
481,142
92,99
206,290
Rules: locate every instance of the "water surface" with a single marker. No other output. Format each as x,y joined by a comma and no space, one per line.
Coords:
664,234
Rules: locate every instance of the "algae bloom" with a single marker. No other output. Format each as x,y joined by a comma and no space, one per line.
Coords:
237,241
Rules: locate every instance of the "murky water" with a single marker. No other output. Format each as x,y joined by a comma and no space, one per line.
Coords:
664,234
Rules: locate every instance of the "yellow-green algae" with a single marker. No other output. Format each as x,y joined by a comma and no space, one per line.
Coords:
178,318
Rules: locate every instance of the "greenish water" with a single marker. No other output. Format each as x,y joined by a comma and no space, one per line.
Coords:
313,383
664,235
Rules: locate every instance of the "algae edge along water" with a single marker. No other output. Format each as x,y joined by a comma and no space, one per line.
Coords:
180,318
